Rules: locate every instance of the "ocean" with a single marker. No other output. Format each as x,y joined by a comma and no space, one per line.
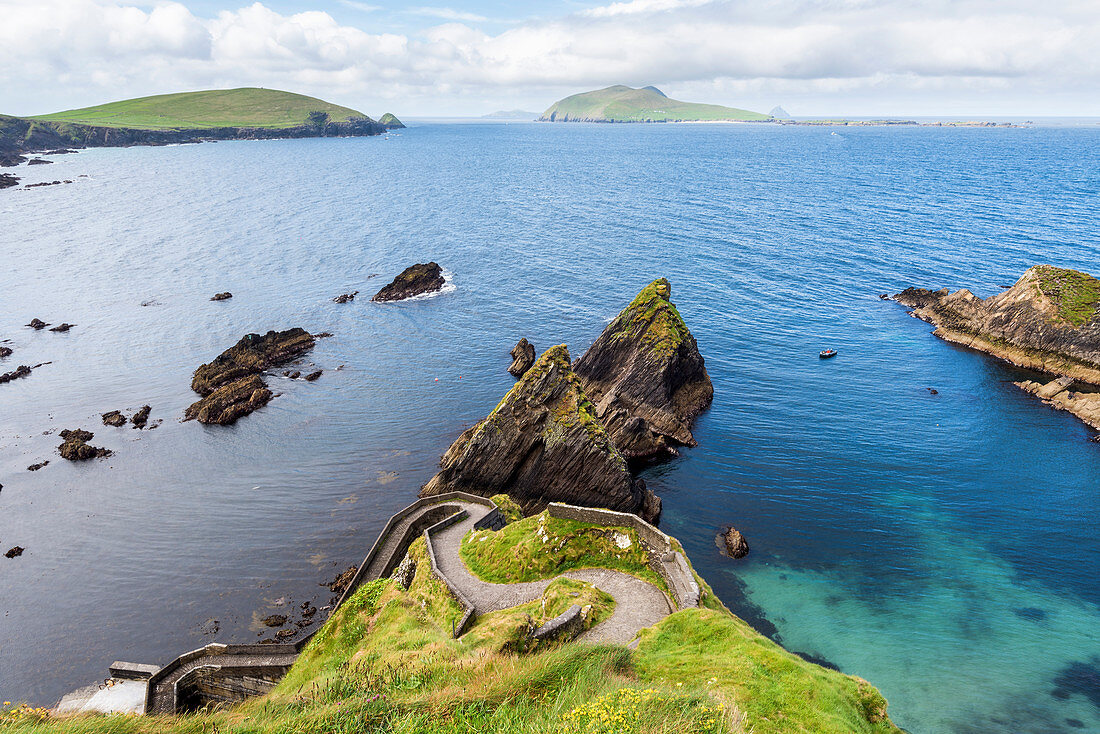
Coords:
942,546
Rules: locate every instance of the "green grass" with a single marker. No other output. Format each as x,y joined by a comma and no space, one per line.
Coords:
541,547
625,104
652,317
1075,294
386,663
247,107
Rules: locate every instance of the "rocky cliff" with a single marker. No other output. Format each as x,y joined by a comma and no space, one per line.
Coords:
231,385
1048,321
646,376
543,443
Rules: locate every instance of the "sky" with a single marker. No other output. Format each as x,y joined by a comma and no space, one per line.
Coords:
977,58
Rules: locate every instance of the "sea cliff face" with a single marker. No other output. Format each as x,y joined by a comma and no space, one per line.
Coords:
1048,321
646,376
543,443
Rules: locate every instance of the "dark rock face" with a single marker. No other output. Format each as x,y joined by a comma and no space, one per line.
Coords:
346,297
544,443
646,377
20,371
732,543
114,418
141,418
37,324
224,296
14,552
63,327
523,356
413,281
76,447
231,385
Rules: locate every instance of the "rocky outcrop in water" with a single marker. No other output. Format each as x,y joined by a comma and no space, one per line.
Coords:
1048,321
63,327
646,376
14,552
76,447
231,385
141,418
523,356
390,121
114,418
345,297
7,181
414,280
544,443
5,352
732,543
223,296
20,371
37,324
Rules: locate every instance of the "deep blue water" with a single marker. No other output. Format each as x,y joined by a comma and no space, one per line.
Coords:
942,546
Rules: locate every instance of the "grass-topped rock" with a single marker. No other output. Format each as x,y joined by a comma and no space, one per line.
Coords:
646,376
414,280
544,443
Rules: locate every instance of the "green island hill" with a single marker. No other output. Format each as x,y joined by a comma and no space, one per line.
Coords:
647,104
218,114
387,661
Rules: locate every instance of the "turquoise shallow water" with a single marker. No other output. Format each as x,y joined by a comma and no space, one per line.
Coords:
942,546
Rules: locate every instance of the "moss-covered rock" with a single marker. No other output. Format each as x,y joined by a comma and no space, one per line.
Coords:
390,122
646,376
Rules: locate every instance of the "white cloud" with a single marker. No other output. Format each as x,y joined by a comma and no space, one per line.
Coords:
360,6
875,56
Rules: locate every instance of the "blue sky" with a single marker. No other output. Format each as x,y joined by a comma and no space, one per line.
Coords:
980,58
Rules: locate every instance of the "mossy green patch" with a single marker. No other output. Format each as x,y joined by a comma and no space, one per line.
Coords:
508,507
541,547
653,319
1075,294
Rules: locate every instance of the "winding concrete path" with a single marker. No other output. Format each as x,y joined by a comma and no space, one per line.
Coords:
638,604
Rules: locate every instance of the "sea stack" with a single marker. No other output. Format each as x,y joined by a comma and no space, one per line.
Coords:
1048,321
414,280
523,356
646,377
544,443
231,385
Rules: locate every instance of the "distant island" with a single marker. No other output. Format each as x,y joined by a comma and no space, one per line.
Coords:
511,115
218,114
647,104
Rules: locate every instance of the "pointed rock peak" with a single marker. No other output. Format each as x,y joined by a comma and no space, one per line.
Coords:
646,376
779,113
543,443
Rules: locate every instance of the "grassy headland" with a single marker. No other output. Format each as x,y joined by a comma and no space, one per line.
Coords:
386,662
647,104
246,107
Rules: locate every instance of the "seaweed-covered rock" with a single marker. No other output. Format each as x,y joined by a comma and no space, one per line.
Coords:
141,418
523,356
224,296
414,280
646,376
345,297
732,543
76,447
250,356
37,324
229,402
114,418
544,443
20,371
63,327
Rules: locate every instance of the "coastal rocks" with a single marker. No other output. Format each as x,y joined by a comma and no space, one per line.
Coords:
37,324
1048,321
312,376
14,552
46,183
7,181
5,352
732,543
39,465
346,297
20,371
224,296
231,386
275,620
38,162
390,122
63,327
341,583
544,443
646,377
141,418
414,280
523,356
114,418
76,447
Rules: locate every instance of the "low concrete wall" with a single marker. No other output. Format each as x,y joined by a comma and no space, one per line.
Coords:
665,562
467,605
216,684
566,625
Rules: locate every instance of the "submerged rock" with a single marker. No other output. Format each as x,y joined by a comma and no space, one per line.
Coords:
523,356
275,620
37,324
1048,321
39,465
231,386
141,418
7,181
225,296
20,371
413,281
63,327
76,447
646,376
544,443
732,543
346,297
114,418
5,352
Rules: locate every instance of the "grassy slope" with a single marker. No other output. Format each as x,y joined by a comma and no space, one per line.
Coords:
1076,295
385,662
247,107
624,104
